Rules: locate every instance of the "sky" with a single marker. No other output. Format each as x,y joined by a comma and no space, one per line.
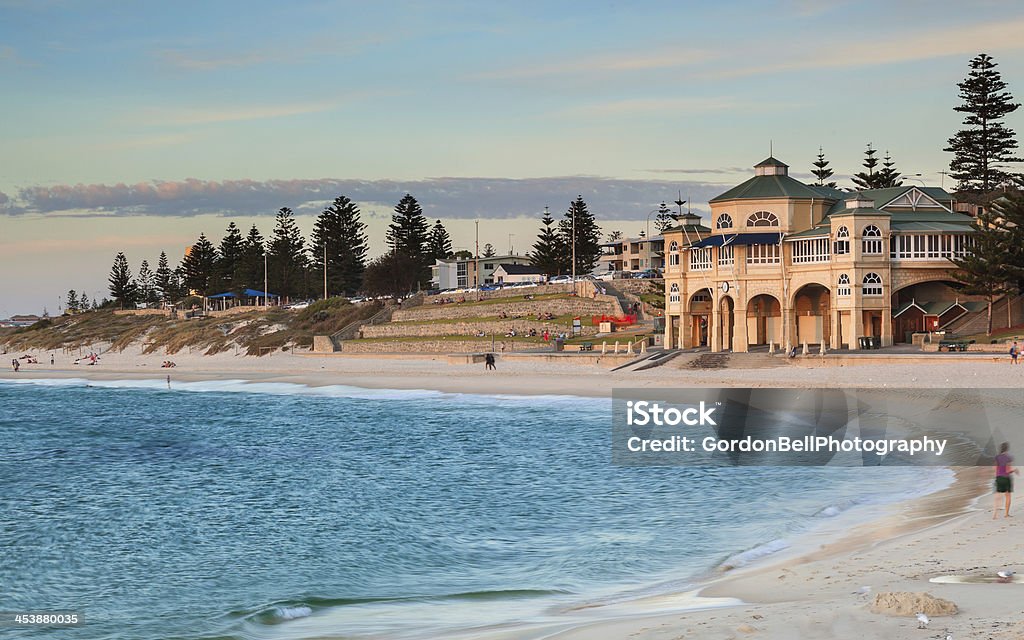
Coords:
135,126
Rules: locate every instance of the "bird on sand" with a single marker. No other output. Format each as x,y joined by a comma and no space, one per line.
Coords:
1005,575
922,620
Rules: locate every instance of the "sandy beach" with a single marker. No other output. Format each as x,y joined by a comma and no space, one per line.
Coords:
808,593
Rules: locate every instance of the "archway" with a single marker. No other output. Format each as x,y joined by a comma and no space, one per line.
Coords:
764,320
812,306
934,305
700,317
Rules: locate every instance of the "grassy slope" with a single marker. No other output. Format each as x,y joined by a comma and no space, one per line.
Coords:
256,332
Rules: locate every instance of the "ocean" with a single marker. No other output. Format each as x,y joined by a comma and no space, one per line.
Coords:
233,510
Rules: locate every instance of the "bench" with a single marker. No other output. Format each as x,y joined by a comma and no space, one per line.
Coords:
587,346
954,345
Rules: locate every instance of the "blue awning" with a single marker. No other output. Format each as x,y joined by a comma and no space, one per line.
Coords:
739,238
249,293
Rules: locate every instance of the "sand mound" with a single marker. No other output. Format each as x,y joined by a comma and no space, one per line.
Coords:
906,603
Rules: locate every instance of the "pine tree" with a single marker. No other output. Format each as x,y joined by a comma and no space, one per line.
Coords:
822,171
664,219
888,176
983,270
84,304
1008,211
867,179
547,254
121,286
287,258
229,258
147,284
198,266
252,263
439,244
340,230
488,251
162,279
983,149
407,236
588,237
72,304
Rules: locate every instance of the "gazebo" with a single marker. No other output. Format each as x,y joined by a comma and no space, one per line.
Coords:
248,297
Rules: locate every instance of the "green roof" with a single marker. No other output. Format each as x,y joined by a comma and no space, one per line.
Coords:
813,232
869,211
770,161
766,187
923,226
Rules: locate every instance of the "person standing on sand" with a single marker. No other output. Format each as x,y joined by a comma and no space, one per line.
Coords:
1014,352
489,362
1004,483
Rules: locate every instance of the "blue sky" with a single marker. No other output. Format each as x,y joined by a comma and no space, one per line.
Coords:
138,125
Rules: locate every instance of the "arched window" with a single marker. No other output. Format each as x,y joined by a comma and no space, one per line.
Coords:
843,289
724,221
872,285
872,240
763,219
673,293
673,253
842,244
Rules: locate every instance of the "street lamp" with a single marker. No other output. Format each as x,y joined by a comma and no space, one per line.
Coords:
647,237
915,176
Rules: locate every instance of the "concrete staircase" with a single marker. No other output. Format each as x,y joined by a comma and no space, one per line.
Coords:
976,322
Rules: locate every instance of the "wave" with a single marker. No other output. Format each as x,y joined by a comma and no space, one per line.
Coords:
283,611
238,385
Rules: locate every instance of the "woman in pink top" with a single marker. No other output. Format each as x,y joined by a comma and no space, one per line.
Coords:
1004,483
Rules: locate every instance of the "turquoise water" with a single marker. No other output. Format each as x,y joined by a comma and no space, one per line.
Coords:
227,510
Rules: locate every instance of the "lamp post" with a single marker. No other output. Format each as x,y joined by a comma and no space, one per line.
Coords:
573,209
325,268
915,176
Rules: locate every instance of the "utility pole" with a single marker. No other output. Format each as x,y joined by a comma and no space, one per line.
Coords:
325,268
574,249
266,294
476,275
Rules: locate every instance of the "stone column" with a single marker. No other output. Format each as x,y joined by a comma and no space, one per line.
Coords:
887,326
685,330
836,320
857,316
714,328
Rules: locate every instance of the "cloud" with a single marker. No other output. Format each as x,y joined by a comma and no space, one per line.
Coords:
212,115
307,48
145,142
651,105
665,58
906,46
465,198
718,170
8,55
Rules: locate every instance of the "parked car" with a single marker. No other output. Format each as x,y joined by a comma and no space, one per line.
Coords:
559,279
610,275
650,273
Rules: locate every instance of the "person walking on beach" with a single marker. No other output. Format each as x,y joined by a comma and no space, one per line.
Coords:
1004,482
15,365
1014,352
489,362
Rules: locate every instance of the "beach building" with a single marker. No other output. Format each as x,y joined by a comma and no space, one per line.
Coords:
632,255
26,320
456,273
787,263
515,273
